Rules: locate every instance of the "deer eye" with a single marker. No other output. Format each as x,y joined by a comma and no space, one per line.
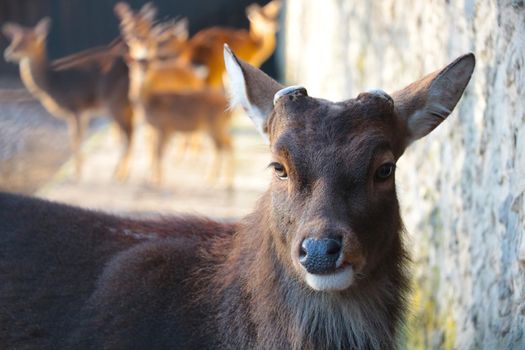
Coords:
279,170
385,171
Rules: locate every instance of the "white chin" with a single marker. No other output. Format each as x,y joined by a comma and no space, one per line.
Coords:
337,281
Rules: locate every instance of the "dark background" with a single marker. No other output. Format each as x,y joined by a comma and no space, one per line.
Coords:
81,24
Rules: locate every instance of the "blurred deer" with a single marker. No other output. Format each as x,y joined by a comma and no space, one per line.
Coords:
144,44
161,48
183,110
74,87
142,22
206,47
254,46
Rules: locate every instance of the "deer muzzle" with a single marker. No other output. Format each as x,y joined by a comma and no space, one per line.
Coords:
322,260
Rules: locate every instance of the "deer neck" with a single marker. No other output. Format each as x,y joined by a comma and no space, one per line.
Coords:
34,72
140,85
262,295
266,47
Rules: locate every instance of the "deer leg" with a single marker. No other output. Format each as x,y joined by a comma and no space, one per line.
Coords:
225,140
223,147
230,166
215,167
158,152
77,125
126,127
195,143
182,147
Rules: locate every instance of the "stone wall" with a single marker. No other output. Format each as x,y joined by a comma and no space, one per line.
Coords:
461,188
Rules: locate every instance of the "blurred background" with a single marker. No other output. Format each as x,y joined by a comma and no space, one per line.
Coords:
461,188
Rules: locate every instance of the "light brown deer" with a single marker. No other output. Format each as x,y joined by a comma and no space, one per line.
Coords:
74,87
160,44
254,46
205,47
187,109
319,264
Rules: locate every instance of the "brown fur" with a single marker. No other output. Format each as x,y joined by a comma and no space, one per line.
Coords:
77,279
160,45
75,86
186,112
205,48
189,108
254,46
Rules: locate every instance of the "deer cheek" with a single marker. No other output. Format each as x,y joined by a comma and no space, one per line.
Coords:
282,217
382,219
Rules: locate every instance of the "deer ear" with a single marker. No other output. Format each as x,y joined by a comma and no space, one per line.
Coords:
148,11
180,29
251,88
424,104
42,27
10,30
271,9
252,9
122,10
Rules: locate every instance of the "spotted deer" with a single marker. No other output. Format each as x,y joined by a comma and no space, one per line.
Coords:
74,87
319,264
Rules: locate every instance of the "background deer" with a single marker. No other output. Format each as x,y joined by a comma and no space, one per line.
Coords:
254,46
319,264
167,50
160,44
186,109
205,47
75,87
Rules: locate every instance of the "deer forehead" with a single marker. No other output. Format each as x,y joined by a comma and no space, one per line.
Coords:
317,119
319,137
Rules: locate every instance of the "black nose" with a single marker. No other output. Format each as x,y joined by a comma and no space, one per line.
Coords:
319,256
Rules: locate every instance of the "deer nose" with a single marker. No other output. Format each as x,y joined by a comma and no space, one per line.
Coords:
319,256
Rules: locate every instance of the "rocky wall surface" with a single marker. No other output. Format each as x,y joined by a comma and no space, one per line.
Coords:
462,187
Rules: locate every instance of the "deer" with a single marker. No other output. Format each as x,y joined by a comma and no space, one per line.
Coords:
205,47
160,43
190,108
75,87
145,38
319,264
203,50
254,46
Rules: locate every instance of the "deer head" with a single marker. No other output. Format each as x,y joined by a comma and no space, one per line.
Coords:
139,23
145,38
334,211
146,42
26,42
